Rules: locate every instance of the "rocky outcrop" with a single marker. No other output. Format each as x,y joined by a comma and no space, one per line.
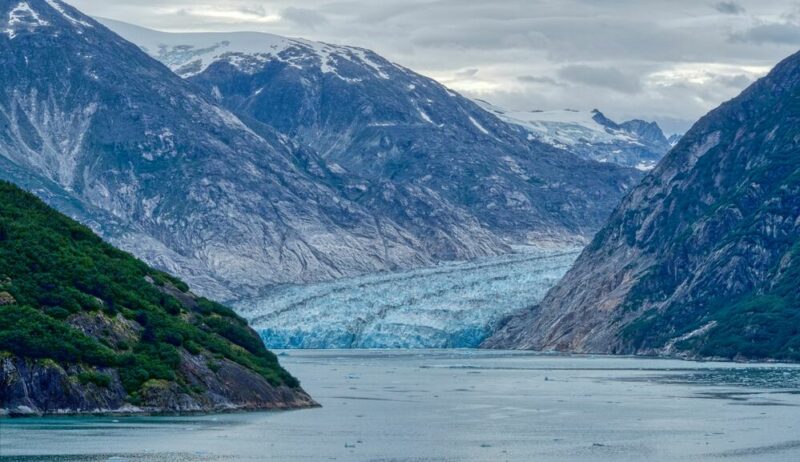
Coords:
35,387
6,299
698,258
43,387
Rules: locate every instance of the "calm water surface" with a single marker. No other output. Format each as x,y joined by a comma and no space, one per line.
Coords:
464,405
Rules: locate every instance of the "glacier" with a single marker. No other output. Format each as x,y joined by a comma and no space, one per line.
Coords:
453,305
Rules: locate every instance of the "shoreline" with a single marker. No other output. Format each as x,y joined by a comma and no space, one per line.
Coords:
138,412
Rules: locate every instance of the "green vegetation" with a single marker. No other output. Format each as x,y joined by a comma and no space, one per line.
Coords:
97,378
54,270
760,325
28,332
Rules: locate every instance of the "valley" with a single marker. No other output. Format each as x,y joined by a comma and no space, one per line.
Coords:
451,279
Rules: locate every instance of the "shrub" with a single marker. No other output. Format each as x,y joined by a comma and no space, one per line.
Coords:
97,378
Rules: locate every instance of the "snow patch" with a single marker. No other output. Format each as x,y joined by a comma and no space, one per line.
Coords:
670,346
478,125
58,7
425,116
23,15
189,54
561,128
336,168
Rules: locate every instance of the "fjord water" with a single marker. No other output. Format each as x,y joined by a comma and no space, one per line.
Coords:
464,405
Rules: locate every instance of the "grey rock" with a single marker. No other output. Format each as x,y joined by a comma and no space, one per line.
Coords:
43,387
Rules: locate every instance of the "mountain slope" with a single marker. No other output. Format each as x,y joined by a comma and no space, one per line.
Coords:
120,142
86,328
417,152
591,135
703,257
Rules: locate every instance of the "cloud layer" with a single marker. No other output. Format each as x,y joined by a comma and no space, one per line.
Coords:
669,61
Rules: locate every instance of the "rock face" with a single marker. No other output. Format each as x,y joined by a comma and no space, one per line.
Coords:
702,257
403,172
29,387
37,387
591,135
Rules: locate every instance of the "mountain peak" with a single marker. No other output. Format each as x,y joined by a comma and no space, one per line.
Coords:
31,16
591,135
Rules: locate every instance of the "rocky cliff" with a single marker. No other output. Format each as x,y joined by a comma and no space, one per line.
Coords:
86,328
702,258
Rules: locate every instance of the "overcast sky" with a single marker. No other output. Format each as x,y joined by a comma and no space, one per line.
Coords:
671,61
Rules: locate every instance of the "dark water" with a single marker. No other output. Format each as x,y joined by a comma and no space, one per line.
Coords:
464,405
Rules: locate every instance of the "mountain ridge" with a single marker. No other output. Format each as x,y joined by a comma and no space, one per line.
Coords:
365,114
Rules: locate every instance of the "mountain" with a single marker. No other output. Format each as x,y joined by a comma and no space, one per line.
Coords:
88,120
407,148
86,328
703,258
237,203
591,135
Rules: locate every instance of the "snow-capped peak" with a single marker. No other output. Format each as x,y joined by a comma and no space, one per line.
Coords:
32,15
589,134
189,54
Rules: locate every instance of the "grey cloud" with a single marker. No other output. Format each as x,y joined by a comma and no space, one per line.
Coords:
304,17
738,81
542,54
729,8
605,77
467,73
255,10
775,33
537,79
491,36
